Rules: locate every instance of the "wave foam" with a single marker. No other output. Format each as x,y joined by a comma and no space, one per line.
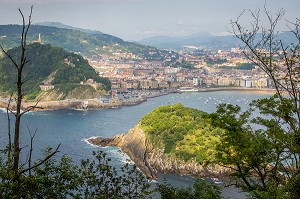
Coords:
117,152
93,145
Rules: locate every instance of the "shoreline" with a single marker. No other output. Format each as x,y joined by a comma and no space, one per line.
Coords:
96,104
255,90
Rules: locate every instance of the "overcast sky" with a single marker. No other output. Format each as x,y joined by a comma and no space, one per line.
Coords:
137,19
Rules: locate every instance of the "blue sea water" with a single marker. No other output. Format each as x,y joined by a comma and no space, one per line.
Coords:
71,128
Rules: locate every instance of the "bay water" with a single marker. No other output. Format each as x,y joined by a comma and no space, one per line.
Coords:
71,128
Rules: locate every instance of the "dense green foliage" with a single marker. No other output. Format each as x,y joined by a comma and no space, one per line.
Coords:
260,147
80,42
94,178
201,189
211,61
240,66
53,64
182,131
245,66
183,64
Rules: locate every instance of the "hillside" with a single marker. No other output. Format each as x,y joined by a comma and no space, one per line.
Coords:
182,131
171,139
87,43
61,25
48,65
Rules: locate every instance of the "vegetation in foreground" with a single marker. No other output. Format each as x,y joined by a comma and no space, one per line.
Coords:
264,160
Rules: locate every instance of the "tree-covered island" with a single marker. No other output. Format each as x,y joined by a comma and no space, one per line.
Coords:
172,139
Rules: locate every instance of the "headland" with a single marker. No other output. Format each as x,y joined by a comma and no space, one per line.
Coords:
151,160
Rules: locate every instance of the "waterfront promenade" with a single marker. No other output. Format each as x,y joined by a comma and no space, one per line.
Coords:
257,90
128,99
131,99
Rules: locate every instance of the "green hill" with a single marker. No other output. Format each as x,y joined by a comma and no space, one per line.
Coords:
96,44
185,132
47,65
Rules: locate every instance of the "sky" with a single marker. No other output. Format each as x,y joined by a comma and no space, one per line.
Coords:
138,19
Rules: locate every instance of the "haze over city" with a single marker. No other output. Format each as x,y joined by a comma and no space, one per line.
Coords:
138,19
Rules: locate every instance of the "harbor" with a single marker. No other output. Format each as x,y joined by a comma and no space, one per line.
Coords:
129,98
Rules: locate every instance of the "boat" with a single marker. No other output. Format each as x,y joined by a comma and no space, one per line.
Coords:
188,89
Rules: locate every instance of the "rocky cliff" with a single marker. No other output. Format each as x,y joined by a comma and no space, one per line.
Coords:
79,92
150,159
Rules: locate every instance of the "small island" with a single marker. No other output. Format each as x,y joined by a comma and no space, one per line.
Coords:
171,139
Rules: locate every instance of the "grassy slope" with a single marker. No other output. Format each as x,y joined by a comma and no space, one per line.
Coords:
182,131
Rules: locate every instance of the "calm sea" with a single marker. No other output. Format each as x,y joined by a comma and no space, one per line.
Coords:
72,127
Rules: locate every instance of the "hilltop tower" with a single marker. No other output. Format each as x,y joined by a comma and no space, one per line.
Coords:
40,39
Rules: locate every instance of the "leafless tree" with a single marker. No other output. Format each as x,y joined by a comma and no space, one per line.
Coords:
14,149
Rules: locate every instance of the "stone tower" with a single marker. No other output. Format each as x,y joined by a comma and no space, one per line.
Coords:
40,39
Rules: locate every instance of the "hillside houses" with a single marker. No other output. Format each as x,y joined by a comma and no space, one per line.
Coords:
212,68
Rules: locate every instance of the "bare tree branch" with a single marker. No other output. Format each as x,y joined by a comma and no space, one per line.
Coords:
42,161
29,108
9,56
8,129
18,115
31,148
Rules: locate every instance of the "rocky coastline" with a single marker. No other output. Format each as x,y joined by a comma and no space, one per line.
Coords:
83,103
60,104
151,160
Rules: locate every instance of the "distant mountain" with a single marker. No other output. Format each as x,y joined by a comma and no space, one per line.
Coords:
199,40
50,65
203,40
75,40
160,39
61,25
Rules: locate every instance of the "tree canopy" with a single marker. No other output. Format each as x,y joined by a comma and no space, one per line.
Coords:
185,132
47,63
